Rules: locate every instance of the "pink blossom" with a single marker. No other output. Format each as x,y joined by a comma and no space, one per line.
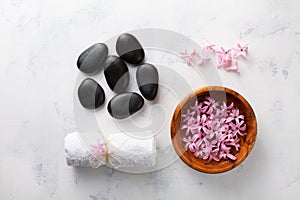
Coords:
235,115
203,60
100,148
213,129
208,46
241,51
189,127
224,57
188,115
201,124
211,105
225,61
232,66
226,108
195,55
198,136
199,107
188,141
187,57
240,128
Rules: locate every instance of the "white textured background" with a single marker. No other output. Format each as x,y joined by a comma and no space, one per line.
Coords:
39,45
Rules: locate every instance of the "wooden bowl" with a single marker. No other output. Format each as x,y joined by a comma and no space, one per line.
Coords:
247,142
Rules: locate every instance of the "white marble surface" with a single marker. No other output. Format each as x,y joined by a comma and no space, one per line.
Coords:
40,41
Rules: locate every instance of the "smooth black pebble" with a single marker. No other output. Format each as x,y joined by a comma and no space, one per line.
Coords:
91,95
116,74
130,49
147,80
90,61
124,105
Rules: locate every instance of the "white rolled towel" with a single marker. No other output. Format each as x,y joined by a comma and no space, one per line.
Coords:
127,151
76,153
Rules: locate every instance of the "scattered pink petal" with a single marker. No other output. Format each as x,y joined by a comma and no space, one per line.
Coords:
204,60
208,46
232,67
188,58
192,56
224,57
241,51
232,157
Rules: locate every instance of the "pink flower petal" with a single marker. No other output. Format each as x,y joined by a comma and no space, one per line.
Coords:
212,134
232,157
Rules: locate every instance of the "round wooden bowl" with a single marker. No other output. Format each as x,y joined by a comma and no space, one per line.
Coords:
247,142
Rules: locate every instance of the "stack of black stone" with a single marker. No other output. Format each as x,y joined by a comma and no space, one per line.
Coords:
91,94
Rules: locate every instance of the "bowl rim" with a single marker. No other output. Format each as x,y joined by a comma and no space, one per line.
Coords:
184,156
